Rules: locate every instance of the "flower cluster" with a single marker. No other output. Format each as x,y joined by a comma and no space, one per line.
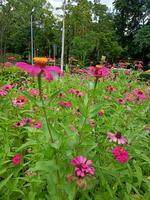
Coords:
29,122
76,92
98,72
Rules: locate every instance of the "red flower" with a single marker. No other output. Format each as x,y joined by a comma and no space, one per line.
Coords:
16,160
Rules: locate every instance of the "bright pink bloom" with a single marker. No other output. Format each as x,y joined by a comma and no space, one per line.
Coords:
65,104
3,93
98,72
121,101
116,137
49,73
37,125
82,166
7,87
16,160
120,154
110,88
34,92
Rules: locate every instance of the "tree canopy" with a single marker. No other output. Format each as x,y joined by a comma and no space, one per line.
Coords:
91,30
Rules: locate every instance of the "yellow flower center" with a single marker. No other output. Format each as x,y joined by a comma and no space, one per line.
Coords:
42,61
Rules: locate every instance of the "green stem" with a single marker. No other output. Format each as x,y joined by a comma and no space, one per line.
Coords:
43,106
52,140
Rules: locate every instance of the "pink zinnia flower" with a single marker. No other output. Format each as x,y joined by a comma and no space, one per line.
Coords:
3,93
34,92
75,92
23,122
20,124
121,101
130,97
7,87
147,129
116,137
61,95
65,104
110,88
98,72
101,113
16,160
49,73
139,94
120,154
82,166
20,101
37,125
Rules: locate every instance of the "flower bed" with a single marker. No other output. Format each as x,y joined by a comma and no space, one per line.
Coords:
81,136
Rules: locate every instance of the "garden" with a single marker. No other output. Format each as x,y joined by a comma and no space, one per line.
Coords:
73,136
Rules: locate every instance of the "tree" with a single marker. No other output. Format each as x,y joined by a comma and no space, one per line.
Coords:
130,16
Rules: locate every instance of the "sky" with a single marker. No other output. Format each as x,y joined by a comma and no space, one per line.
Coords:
58,3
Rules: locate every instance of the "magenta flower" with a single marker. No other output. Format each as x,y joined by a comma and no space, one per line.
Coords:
120,154
49,73
7,87
65,104
98,72
116,137
16,160
3,93
82,166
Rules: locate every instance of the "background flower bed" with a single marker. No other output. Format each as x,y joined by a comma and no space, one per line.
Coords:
80,129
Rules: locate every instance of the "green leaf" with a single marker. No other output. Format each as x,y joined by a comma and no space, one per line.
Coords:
4,182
